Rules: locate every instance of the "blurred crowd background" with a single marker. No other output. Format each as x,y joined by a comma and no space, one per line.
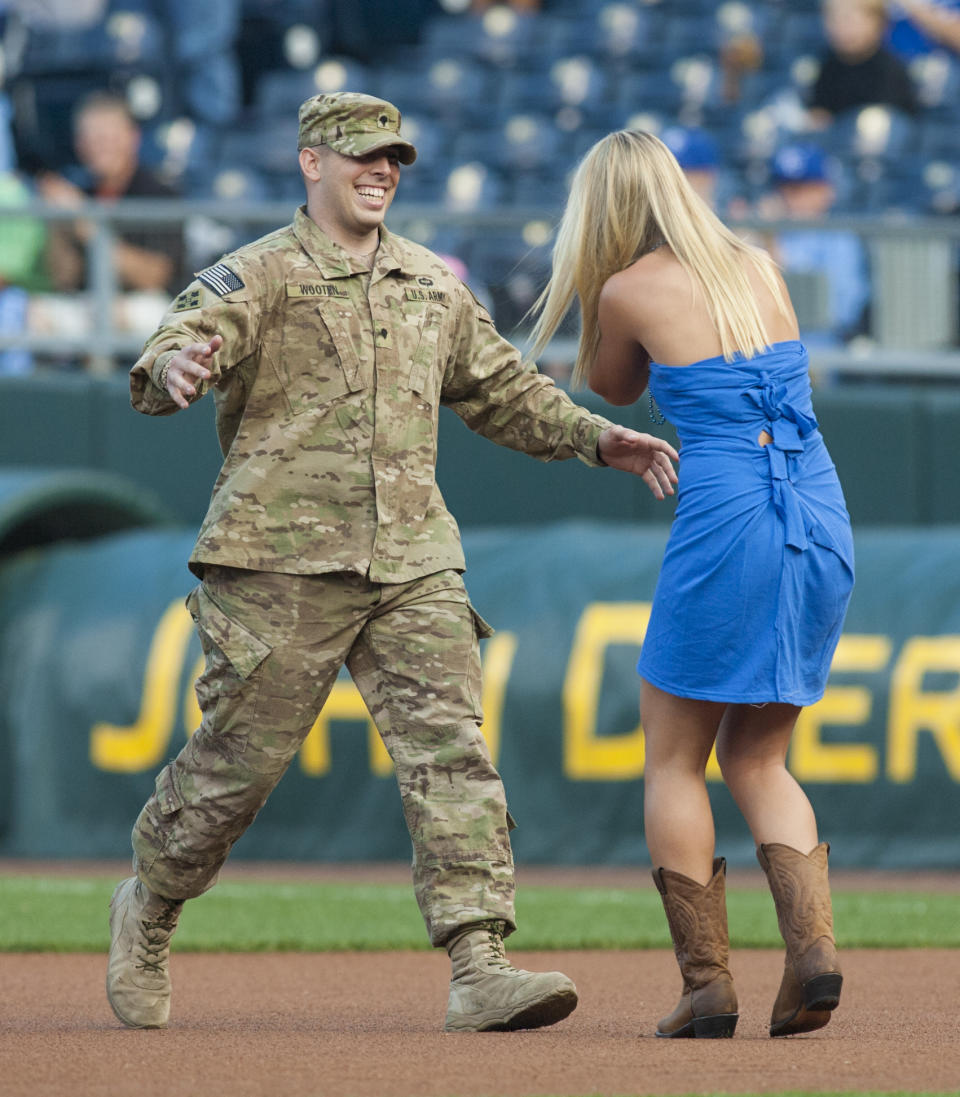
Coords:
829,131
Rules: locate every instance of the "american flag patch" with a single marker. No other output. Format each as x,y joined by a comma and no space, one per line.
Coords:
221,279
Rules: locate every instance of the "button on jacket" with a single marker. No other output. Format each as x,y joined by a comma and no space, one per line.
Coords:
327,391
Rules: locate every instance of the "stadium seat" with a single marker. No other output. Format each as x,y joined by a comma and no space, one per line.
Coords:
182,151
534,191
528,142
802,32
874,132
237,184
280,91
472,185
504,36
452,89
937,76
578,81
130,41
938,188
651,92
938,139
686,35
421,184
448,36
622,33
269,147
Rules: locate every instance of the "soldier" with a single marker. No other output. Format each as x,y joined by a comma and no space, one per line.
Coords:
329,346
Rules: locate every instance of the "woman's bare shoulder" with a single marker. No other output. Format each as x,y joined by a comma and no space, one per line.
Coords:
636,283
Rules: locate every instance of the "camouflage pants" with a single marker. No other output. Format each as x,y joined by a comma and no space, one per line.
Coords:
274,644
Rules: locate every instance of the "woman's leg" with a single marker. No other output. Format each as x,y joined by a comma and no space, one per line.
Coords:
752,750
752,746
679,826
678,821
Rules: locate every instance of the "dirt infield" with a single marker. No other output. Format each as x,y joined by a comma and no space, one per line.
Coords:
367,1025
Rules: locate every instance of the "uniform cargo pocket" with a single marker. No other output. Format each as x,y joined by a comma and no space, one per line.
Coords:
426,366
169,797
484,629
244,649
319,362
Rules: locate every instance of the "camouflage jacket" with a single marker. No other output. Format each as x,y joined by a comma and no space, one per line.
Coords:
327,391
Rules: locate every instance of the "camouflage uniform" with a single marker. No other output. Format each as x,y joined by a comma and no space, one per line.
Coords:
327,541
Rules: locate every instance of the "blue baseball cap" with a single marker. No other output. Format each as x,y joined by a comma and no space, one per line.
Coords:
695,150
800,163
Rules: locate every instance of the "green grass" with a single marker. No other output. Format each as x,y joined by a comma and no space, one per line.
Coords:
68,914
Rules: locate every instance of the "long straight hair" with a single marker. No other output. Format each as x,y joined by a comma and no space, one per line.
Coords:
627,195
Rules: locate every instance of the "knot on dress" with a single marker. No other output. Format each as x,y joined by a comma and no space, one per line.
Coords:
787,426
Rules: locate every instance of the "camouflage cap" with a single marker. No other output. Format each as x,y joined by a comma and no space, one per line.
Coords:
352,124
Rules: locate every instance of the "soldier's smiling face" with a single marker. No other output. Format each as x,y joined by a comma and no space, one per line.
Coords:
353,193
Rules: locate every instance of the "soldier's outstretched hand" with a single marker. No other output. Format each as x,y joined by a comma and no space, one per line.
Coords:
642,454
188,367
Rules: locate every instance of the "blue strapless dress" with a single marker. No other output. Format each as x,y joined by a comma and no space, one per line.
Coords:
758,568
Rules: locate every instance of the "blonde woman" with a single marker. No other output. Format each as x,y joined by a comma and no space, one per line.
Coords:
759,564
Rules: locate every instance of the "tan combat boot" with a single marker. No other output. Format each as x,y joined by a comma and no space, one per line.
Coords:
488,994
811,984
697,916
141,925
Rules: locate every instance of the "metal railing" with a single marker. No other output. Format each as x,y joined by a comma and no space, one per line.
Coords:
914,264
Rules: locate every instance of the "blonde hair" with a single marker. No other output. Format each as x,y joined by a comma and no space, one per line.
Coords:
628,195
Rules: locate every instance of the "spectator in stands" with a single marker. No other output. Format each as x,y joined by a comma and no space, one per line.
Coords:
22,242
696,153
857,68
920,25
740,53
805,192
107,142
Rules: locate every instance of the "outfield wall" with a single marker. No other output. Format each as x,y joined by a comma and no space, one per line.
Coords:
98,656
897,448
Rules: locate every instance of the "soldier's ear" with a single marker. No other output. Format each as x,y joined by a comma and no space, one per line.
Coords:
310,164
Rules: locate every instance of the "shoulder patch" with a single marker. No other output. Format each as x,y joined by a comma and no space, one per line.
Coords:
221,279
190,299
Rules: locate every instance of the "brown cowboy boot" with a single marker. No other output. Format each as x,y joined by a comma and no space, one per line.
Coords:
697,916
488,994
810,989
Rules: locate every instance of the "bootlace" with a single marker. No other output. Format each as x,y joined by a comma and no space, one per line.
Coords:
495,955
154,938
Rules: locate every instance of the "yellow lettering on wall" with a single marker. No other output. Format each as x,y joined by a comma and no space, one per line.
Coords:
143,744
849,763
191,710
587,756
344,703
913,709
498,654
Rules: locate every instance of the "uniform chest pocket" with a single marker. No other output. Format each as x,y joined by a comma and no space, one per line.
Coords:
320,359
426,367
